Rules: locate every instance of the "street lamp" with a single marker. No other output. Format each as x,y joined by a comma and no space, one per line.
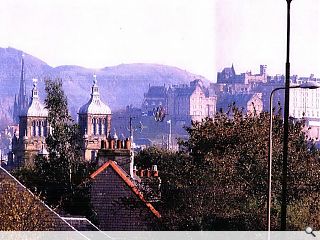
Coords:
283,221
307,85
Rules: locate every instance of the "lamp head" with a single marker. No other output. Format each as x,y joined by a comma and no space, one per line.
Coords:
309,85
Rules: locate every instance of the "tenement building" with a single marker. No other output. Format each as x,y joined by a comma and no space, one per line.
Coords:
193,102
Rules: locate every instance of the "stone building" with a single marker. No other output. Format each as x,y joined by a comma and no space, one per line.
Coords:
229,76
305,102
261,77
95,122
193,102
121,196
155,97
33,129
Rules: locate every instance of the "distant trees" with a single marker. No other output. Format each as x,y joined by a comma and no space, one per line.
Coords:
61,177
220,181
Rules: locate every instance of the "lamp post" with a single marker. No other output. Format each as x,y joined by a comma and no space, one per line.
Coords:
285,128
170,135
307,85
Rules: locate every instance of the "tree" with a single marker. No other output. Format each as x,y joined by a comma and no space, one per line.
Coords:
62,177
220,182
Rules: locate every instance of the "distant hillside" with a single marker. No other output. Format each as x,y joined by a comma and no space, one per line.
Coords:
120,85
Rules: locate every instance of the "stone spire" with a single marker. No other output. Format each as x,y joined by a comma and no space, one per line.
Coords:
22,98
22,103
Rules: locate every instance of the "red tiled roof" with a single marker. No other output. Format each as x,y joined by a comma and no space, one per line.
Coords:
127,180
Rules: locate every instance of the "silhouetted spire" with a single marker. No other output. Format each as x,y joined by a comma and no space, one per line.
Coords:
22,103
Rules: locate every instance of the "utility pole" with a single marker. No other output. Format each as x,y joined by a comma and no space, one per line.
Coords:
132,149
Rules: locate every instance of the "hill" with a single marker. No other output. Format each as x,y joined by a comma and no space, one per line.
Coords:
120,85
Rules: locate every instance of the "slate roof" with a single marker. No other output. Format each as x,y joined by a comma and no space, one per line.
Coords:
81,223
241,100
126,178
229,71
156,92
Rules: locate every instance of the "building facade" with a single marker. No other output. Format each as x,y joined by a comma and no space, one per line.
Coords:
304,103
155,97
190,103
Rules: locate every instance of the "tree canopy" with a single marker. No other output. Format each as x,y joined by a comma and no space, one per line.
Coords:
220,181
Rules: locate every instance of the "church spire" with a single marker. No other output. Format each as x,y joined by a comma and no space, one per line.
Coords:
22,98
22,102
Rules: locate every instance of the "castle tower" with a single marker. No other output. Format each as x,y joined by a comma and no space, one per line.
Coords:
95,122
33,129
22,103
263,70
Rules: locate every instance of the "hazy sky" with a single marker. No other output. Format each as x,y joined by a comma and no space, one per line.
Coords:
201,36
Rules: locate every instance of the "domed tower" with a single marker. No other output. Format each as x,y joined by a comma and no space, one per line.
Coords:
95,122
33,129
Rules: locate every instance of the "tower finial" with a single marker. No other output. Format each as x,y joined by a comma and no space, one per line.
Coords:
35,81
94,79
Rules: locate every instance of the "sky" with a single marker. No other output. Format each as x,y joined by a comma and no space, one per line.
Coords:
200,36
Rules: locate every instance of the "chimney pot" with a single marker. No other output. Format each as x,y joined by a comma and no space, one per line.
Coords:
128,144
103,144
111,144
119,144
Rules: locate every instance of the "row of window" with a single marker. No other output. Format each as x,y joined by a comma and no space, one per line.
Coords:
39,131
99,120
39,128
39,123
99,129
306,113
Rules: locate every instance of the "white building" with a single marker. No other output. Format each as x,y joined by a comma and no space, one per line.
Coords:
304,103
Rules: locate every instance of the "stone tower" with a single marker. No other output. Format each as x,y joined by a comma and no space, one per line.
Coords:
95,122
33,129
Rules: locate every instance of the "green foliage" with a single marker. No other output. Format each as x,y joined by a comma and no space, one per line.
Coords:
220,182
